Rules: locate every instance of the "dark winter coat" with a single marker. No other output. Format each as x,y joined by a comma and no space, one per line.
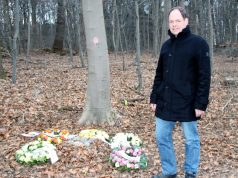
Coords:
182,79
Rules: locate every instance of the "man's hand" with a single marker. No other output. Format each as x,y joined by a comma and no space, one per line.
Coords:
153,107
199,113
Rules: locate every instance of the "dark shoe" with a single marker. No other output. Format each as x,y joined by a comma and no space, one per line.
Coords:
164,176
190,175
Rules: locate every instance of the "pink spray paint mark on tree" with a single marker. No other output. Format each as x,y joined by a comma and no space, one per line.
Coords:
95,41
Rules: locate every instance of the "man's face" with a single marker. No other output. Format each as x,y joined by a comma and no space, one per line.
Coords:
176,22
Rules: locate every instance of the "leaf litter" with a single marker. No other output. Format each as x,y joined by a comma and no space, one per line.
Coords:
53,96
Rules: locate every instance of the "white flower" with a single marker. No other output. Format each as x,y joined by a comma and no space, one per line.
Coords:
126,140
35,152
21,158
137,166
101,135
35,157
117,164
27,159
128,165
20,152
28,154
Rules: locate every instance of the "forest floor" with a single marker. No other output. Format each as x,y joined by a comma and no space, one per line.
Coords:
51,94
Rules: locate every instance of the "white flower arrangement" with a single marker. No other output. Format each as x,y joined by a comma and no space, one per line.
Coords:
128,158
125,140
95,134
36,152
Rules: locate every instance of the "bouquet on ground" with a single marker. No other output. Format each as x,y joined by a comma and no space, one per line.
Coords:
125,140
94,134
54,135
36,152
128,158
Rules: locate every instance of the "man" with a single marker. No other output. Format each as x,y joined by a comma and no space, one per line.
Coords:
180,93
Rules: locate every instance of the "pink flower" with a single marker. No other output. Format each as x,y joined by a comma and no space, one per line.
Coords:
132,166
124,148
122,159
125,162
122,163
134,154
113,155
117,153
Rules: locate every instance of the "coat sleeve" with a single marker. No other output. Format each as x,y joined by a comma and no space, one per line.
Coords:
157,81
204,76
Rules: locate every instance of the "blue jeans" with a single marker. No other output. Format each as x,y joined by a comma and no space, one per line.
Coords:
164,131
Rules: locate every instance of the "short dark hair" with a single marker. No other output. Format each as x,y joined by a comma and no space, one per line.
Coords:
181,10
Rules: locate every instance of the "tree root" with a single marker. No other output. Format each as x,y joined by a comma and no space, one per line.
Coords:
91,117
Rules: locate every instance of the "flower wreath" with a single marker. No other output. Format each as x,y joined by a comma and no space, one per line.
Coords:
128,158
36,152
54,135
125,140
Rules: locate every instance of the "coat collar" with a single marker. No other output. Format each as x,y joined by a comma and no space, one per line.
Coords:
186,31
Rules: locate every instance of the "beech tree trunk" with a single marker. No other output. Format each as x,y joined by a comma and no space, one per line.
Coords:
98,106
15,47
28,33
210,31
138,66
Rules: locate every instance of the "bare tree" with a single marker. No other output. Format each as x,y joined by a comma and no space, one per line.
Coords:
34,24
181,3
210,21
166,8
23,31
7,24
28,32
68,36
98,106
194,16
120,24
2,71
138,66
79,23
60,28
15,37
156,28
148,32
114,24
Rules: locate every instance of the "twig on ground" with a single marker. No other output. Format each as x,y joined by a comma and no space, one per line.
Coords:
136,91
227,103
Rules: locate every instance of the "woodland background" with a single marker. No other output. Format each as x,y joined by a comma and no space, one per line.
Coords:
44,65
